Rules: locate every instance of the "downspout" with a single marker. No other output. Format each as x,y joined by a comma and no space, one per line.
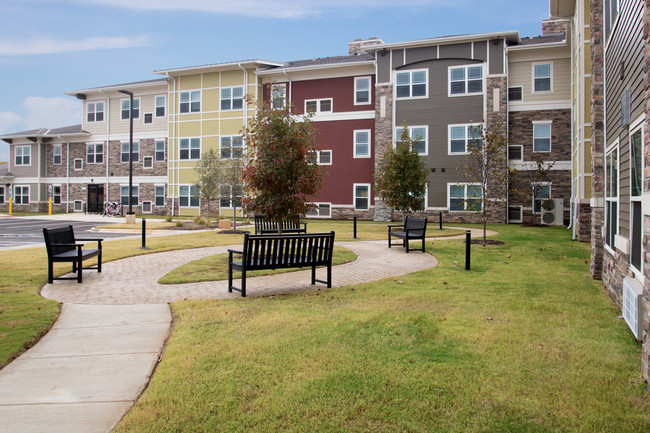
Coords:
575,195
108,140
289,91
171,189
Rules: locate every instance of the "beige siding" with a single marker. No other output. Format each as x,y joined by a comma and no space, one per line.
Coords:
521,73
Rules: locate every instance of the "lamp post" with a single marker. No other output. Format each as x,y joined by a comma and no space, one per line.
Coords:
130,218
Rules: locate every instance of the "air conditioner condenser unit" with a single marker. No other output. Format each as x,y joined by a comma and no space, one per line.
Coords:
553,212
632,306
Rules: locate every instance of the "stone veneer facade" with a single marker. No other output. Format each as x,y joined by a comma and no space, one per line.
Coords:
383,138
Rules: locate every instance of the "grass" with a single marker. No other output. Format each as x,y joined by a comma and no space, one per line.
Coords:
137,226
215,268
524,342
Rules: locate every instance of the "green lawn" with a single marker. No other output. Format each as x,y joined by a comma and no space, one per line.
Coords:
524,342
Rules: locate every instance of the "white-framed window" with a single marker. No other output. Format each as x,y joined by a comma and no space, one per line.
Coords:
321,157
159,195
636,192
23,155
226,197
362,91
412,84
95,112
611,194
516,152
21,194
148,118
362,143
146,206
542,77
515,93
95,153
125,151
465,80
232,98
542,136
610,13
361,196
125,105
465,197
322,210
78,205
124,195
78,164
160,150
231,146
190,148
515,214
57,152
278,96
463,137
190,102
161,105
2,195
541,193
188,196
147,162
419,135
318,105
56,194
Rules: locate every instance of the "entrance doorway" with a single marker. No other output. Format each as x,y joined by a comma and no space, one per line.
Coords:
95,198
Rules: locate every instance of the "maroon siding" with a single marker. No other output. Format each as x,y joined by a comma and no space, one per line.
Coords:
341,90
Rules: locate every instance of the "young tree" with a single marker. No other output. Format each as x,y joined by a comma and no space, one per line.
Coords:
280,173
230,176
401,177
535,173
486,166
207,169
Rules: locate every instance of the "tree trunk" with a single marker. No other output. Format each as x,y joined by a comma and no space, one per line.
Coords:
234,216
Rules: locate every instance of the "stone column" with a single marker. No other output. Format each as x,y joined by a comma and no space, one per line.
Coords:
645,362
496,94
383,139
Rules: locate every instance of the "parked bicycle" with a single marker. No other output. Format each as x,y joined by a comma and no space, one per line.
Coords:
112,209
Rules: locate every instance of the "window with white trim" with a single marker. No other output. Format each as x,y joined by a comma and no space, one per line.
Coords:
516,152
465,80
125,108
2,195
465,197
161,104
515,93
362,143
232,98
226,197
189,149
190,102
318,105
159,195
78,164
361,196
160,150
362,90
95,112
636,193
411,84
124,195
542,77
278,96
542,136
56,194
57,152
419,137
610,12
324,157
464,137
21,194
541,193
148,118
95,153
188,196
231,147
147,162
322,210
611,195
22,155
125,151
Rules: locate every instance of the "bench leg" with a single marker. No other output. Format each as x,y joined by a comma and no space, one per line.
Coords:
243,283
79,270
99,262
329,276
422,243
389,244
313,275
229,277
50,271
406,243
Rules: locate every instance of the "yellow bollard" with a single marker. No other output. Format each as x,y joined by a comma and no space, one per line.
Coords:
11,202
49,206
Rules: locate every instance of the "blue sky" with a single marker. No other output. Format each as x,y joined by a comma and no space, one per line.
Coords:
48,47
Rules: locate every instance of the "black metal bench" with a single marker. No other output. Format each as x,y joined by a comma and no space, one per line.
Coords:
282,251
412,229
291,225
63,247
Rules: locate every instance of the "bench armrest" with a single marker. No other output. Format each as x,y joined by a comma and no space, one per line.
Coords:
393,226
67,245
98,240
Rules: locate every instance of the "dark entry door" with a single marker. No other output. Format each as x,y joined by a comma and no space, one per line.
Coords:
95,198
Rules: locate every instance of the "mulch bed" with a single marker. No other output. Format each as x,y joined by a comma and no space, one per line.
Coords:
487,242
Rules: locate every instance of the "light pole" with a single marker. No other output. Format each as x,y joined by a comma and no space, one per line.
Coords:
130,219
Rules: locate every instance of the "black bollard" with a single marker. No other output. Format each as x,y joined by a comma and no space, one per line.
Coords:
354,236
468,248
144,231
440,220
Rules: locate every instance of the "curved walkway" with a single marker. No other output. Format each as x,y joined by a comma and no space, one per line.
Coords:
86,373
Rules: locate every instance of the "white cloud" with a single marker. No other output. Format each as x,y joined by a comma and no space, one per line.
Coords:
49,46
51,112
9,121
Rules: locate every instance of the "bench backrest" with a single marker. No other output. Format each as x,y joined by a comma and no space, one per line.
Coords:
417,226
263,224
292,250
61,235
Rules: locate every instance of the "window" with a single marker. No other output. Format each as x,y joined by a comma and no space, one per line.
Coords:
541,136
636,191
232,147
21,194
411,84
226,198
611,195
464,137
23,154
321,157
95,153
361,196
190,148
515,93
515,153
2,195
278,96
146,206
78,164
318,106
160,106
515,214
610,12
57,150
464,197
78,205
542,77
465,80
124,195
419,136
56,194
148,118
95,112
362,143
159,194
190,102
322,210
232,98
362,91
147,162
126,103
125,151
541,193
160,150
188,196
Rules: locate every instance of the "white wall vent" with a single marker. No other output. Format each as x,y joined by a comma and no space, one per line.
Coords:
146,207
632,306
553,212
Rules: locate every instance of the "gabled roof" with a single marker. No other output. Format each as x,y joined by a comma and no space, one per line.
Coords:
321,62
217,67
35,134
509,36
547,40
114,87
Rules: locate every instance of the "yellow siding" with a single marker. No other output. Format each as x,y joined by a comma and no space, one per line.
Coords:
587,157
211,116
232,78
189,118
210,127
210,100
231,127
587,186
585,11
190,82
521,74
588,131
211,79
208,143
190,129
237,114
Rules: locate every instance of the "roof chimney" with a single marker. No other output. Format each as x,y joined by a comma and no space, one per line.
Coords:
357,46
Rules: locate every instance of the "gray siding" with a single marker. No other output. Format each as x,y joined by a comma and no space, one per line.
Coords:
383,68
496,56
398,58
456,51
480,50
414,55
